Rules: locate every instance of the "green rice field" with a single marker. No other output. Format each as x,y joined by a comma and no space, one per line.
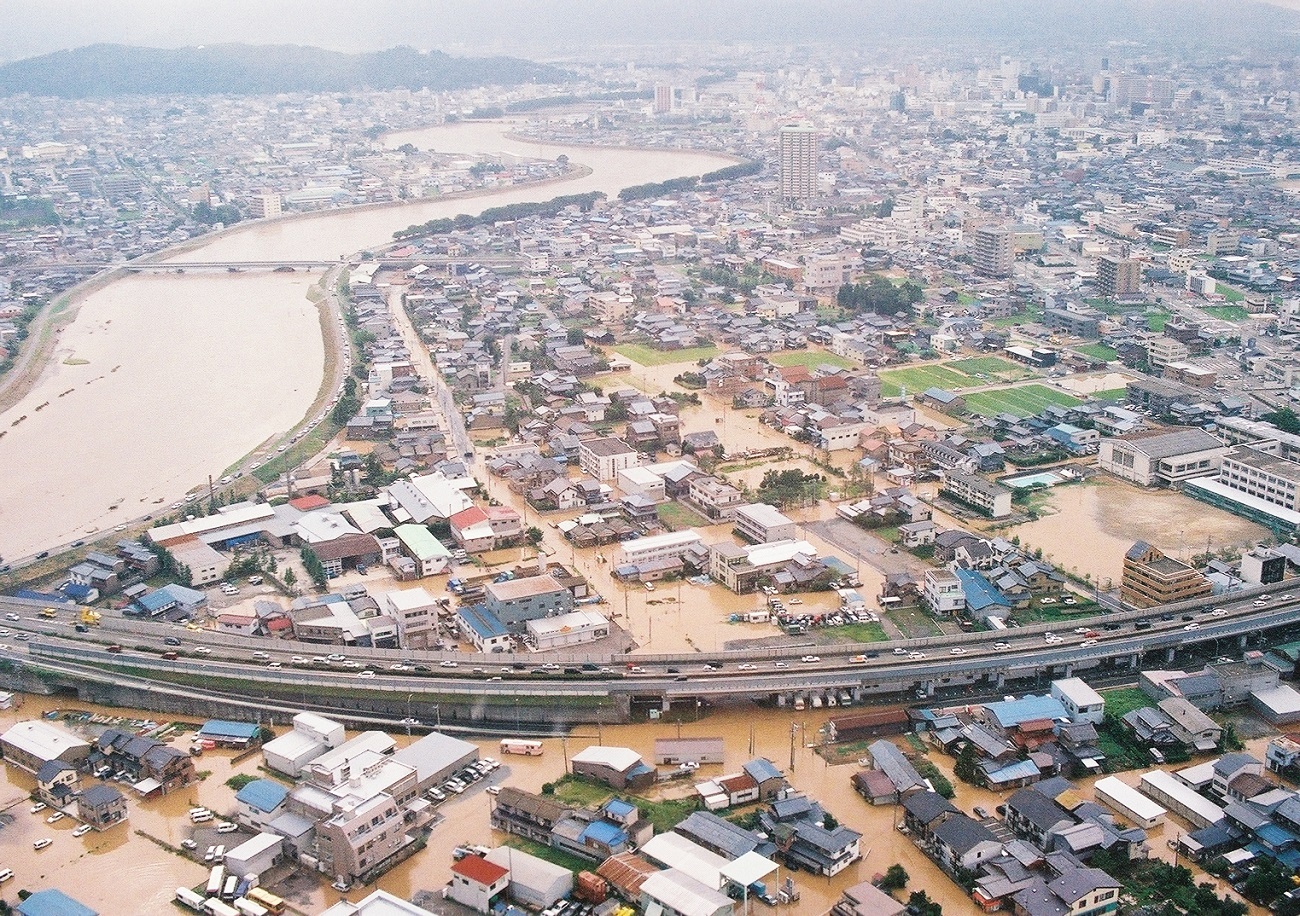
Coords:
648,356
811,359
959,373
1024,401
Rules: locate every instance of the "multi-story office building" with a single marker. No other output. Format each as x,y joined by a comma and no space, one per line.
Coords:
1257,473
519,600
797,147
1151,578
763,524
604,458
994,251
1118,276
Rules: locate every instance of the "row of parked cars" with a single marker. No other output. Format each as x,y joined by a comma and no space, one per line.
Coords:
464,778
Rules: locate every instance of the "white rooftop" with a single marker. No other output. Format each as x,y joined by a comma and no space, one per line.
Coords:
226,516
779,552
672,850
616,758
407,599
1183,794
682,894
1129,797
574,620
41,739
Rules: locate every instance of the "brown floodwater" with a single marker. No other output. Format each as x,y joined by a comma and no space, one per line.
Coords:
1087,527
97,867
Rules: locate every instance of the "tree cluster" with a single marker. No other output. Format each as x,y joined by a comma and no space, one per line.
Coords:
784,487
739,170
658,188
879,295
523,210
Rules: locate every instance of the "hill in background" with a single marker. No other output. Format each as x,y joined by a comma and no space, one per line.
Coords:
236,69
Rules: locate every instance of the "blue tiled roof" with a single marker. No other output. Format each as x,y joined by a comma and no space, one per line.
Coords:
1021,769
761,769
53,902
156,601
482,621
980,593
262,794
220,728
1010,713
603,832
619,808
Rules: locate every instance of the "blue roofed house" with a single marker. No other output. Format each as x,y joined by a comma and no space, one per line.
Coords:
53,902
983,600
1007,715
483,628
230,734
260,802
604,838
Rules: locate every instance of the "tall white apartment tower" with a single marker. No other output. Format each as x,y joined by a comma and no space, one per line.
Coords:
798,154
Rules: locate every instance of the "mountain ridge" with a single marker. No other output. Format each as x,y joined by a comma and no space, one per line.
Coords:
105,70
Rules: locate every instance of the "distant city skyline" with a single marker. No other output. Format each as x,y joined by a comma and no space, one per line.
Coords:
33,27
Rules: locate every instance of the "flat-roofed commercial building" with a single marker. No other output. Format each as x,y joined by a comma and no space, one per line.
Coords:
763,524
604,458
1151,578
530,598
658,547
569,629
1257,473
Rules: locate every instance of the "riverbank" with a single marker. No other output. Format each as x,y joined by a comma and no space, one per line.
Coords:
225,362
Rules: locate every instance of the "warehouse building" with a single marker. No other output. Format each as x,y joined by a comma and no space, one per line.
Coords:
1129,802
534,883
31,745
1181,799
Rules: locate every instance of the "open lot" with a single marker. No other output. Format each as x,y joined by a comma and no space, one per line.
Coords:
959,373
1024,401
811,359
648,356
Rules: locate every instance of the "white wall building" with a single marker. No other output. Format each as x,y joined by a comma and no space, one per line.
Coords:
569,629
1082,702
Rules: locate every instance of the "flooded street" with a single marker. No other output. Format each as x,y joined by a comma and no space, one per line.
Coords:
94,868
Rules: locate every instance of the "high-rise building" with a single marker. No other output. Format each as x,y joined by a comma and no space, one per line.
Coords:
663,99
994,251
1118,276
798,154
264,206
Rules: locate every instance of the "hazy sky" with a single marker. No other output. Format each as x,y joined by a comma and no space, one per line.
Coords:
31,27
